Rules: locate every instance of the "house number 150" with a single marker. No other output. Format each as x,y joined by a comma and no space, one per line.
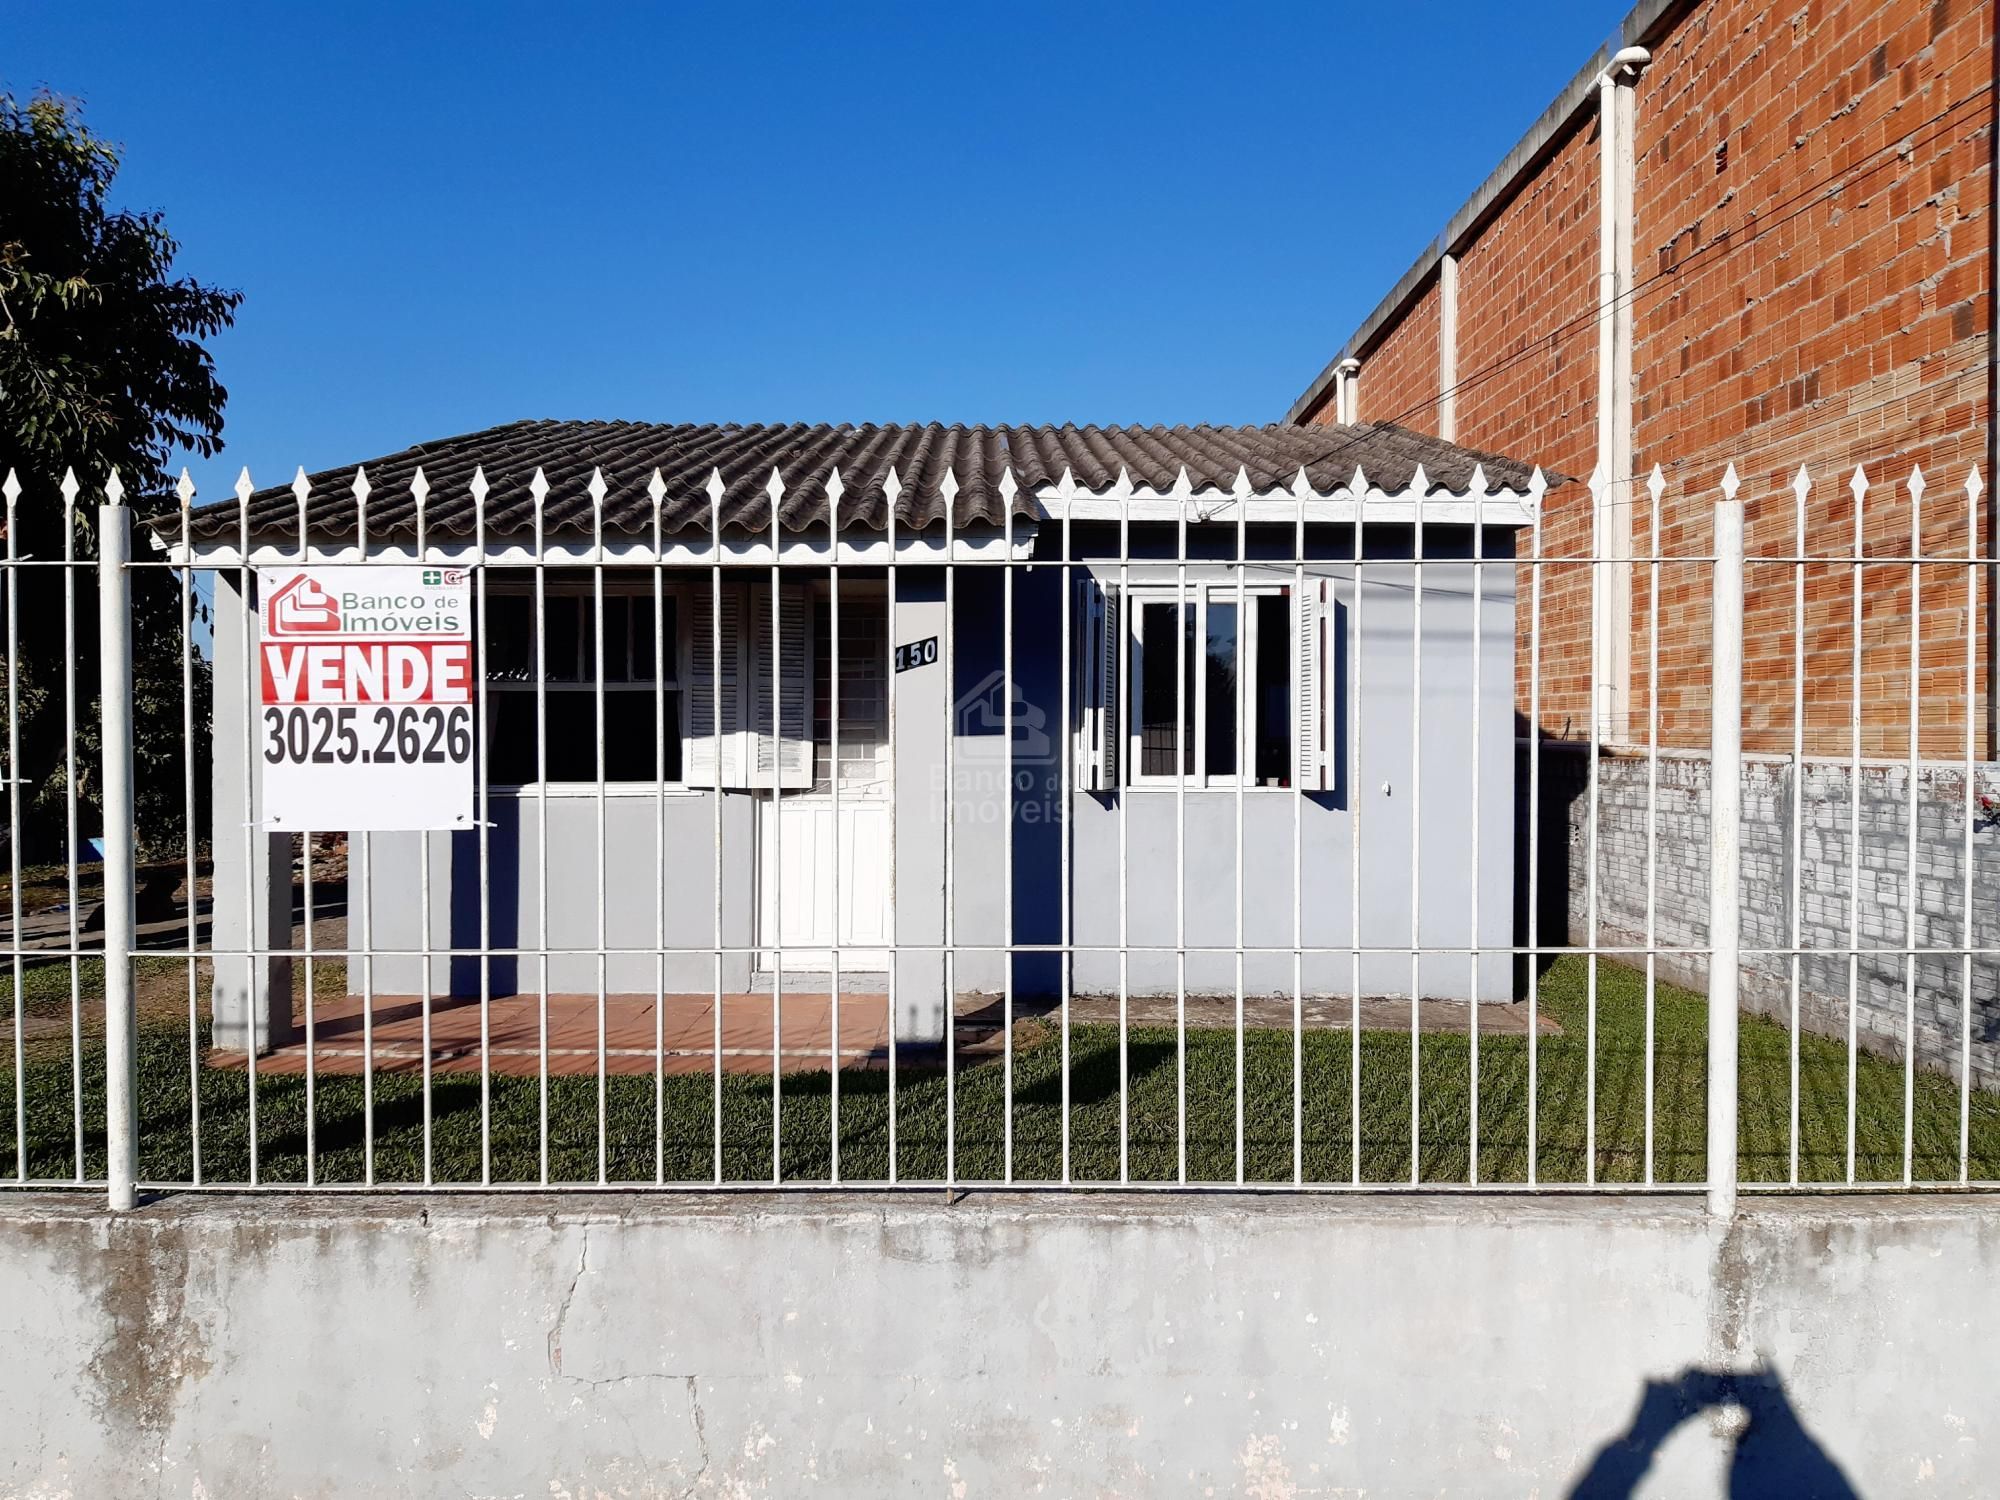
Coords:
917,654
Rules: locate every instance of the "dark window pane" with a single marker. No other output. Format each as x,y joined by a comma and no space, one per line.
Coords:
1274,690
510,645
510,739
568,644
629,735
1219,661
1157,737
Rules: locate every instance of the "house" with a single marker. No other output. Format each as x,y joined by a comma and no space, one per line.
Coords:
1758,235
1167,620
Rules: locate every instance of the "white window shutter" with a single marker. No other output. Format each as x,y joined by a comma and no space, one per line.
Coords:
792,743
1096,674
1316,716
706,740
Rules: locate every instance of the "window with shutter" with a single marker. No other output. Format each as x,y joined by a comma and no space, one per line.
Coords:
789,670
1095,689
714,753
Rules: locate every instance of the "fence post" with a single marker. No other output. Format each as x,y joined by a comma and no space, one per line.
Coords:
1725,779
114,614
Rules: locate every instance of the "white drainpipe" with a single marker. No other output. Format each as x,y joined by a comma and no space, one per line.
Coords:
1617,116
1346,390
1447,408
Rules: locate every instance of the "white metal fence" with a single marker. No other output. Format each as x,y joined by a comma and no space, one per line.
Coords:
121,1076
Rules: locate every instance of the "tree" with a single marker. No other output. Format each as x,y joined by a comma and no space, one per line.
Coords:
102,366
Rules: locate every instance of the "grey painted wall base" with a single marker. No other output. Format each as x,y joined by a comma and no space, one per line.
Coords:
1078,1345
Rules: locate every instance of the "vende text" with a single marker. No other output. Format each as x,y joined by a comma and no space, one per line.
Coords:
368,672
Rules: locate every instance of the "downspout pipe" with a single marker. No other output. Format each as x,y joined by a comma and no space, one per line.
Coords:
1346,395
1612,528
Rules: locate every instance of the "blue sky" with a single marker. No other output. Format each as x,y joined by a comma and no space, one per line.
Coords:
448,217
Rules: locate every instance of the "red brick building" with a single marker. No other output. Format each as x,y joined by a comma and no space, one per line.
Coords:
1798,271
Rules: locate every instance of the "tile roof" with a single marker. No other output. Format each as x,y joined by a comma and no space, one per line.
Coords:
806,454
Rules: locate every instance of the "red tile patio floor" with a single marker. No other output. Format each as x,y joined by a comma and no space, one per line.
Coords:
682,1038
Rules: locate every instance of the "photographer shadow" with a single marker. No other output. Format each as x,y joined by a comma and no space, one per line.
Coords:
1773,1455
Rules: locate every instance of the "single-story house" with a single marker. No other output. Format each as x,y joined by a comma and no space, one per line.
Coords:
1166,716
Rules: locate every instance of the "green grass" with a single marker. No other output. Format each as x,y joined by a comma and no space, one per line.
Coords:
686,1110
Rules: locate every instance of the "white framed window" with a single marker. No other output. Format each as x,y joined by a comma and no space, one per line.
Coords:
1231,713
643,722
1218,684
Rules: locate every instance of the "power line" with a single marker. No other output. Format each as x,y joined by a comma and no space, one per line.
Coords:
1818,193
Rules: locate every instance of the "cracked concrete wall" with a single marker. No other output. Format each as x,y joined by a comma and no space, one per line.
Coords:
1005,1346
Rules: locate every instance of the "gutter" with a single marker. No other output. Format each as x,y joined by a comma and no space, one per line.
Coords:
1644,24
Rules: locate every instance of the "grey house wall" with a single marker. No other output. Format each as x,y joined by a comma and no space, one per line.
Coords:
1466,725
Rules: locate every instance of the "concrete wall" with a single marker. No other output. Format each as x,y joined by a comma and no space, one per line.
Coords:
1824,886
1284,1347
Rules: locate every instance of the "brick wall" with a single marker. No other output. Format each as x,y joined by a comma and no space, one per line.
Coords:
1402,384
1813,212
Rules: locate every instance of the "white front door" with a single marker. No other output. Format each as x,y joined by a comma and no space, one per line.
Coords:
827,877
808,872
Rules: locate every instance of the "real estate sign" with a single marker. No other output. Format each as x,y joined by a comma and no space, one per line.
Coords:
366,694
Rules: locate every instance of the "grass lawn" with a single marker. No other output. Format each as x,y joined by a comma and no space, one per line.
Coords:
685,1108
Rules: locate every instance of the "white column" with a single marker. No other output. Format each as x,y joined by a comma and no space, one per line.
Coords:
1447,408
1612,531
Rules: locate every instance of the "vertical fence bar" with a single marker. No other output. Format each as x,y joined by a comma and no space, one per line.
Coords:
363,844
1534,976
656,490
1801,486
121,1071
1068,820
1417,487
892,491
188,839
301,492
1239,648
1184,743
419,492
75,964
1600,500
1358,487
253,1003
1301,490
949,489
1656,486
1913,781
1007,813
833,760
1966,934
1126,619
1858,487
1478,498
13,495
1726,849
597,491
720,736
538,491
483,741
775,489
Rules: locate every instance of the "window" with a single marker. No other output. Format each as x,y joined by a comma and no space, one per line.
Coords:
1232,704
642,708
